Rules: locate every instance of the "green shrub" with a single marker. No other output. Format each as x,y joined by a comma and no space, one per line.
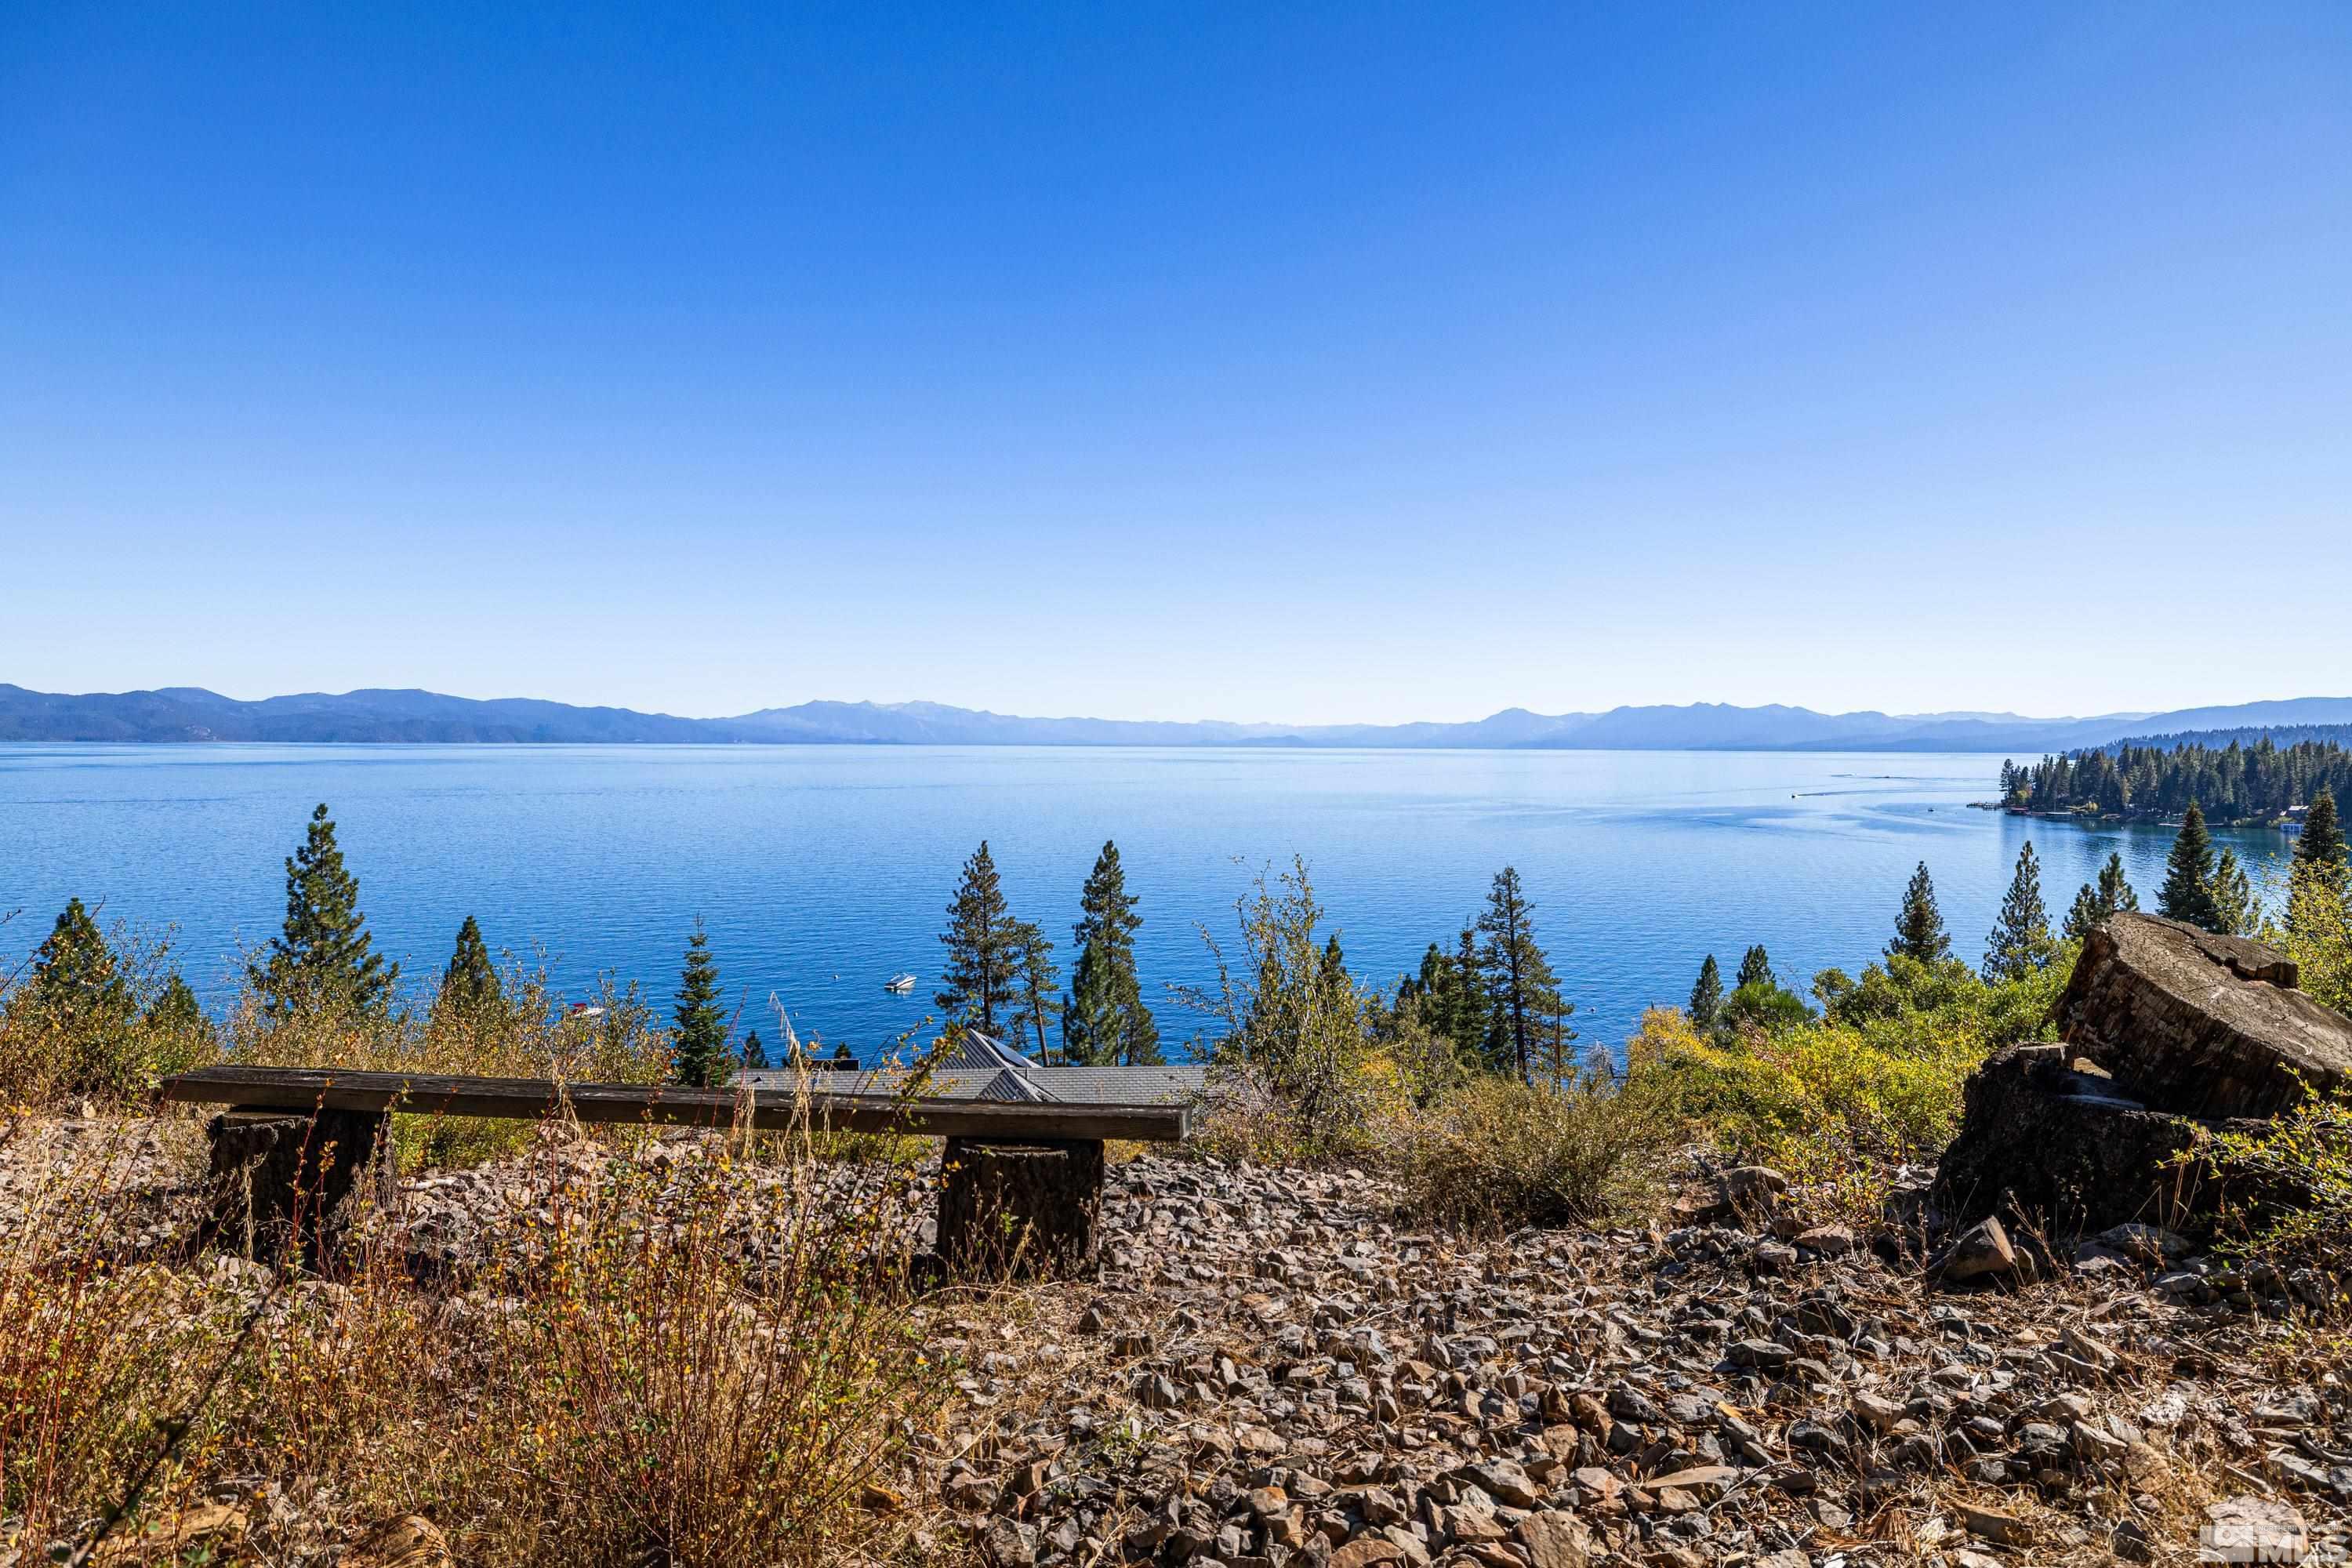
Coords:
1497,1153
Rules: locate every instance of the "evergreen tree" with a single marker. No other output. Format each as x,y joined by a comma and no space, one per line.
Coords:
701,1043
1104,1022
2021,943
2236,911
1038,977
1919,926
1526,993
2112,896
176,1011
2318,886
755,1055
469,985
2188,875
76,987
1335,963
2321,842
1471,1009
321,961
1707,994
1755,969
984,949
843,1056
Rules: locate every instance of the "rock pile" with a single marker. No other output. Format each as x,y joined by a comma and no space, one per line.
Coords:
2166,1028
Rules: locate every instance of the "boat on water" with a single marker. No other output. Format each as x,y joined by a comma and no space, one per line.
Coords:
901,982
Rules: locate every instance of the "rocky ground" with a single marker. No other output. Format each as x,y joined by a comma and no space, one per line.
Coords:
1274,1369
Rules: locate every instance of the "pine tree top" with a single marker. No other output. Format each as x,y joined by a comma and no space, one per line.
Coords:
2321,842
1919,931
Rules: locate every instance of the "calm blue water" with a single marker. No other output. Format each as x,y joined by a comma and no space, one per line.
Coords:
820,871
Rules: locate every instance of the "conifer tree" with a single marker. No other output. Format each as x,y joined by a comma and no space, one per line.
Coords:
2321,842
2020,943
1038,977
1472,1012
701,1044
2094,905
2319,887
77,986
843,1056
1707,994
1919,925
1104,1022
1755,969
755,1055
2236,911
984,950
320,960
1519,978
176,1011
2188,875
469,985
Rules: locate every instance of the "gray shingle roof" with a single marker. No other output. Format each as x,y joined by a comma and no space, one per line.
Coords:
975,1067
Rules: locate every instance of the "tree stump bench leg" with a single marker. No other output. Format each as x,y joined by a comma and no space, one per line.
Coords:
1021,1210
280,1178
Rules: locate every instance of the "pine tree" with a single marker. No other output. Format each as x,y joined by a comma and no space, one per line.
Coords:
1038,977
2318,889
1471,1010
984,952
321,961
469,985
1919,926
1519,978
1755,969
2188,875
701,1044
76,987
2236,911
755,1055
2020,943
176,1011
1707,994
2321,842
1104,1022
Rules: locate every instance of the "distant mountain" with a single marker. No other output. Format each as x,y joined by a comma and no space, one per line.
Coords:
192,714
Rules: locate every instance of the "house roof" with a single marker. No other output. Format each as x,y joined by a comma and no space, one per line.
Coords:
974,1065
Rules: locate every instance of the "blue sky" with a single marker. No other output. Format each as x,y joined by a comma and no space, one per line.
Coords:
1306,362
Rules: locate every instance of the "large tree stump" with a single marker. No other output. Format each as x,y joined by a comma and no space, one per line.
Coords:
1021,1210
280,1182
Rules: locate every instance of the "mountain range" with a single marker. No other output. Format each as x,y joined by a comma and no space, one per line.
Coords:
187,713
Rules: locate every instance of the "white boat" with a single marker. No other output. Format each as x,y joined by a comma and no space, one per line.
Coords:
901,982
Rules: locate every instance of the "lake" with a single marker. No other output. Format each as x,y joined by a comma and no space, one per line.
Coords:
820,871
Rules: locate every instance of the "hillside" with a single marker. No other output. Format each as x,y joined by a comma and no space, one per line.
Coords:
387,716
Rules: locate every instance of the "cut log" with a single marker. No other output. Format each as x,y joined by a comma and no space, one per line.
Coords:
2200,1024
1021,1210
282,1183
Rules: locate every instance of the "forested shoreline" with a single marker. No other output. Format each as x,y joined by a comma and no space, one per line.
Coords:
2235,784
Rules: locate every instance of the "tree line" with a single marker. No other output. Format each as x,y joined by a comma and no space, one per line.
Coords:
2233,784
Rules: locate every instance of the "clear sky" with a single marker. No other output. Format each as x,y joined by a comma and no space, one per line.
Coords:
1308,363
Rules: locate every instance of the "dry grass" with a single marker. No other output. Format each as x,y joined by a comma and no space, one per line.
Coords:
1498,1154
668,1354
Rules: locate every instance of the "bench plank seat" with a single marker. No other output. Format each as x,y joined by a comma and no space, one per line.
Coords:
321,1088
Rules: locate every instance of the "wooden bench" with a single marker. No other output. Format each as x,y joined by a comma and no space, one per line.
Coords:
1024,1182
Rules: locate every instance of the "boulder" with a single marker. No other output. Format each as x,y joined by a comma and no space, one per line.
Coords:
2200,1024
2168,1030
2042,1140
